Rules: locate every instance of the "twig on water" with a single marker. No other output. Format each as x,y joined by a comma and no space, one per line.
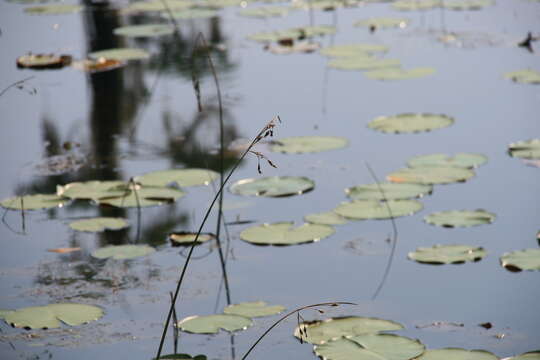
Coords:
20,85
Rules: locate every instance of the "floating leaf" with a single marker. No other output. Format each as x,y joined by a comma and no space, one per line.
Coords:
361,63
219,4
284,233
185,238
370,347
431,175
180,177
410,123
528,259
33,202
121,252
320,331
53,9
383,23
99,224
192,14
356,50
157,5
457,354
395,73
273,186
325,5
526,76
43,61
392,191
254,309
4,312
144,196
38,317
325,218
294,33
413,5
99,65
528,149
266,11
466,4
532,355
464,160
308,144
65,250
27,2
92,190
211,324
374,209
121,54
146,30
447,254
462,218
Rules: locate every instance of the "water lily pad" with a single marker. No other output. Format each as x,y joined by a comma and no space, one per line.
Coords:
294,33
525,76
528,259
374,209
325,218
447,254
532,355
50,316
370,347
192,14
392,191
466,4
219,4
362,63
356,50
99,224
34,202
321,331
183,357
383,23
395,73
456,354
43,61
308,144
325,5
53,9
528,149
211,324
144,196
92,190
4,312
431,175
122,252
461,218
185,238
254,309
414,5
273,186
156,5
122,54
180,177
266,11
146,30
464,160
284,233
98,65
410,123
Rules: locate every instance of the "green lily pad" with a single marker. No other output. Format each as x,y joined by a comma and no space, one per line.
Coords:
528,149
392,191
321,331
220,4
254,309
525,76
395,73
462,218
457,354
99,224
325,218
383,23
447,254
274,186
531,355
185,238
50,316
121,54
284,233
410,123
53,9
374,209
370,347
4,312
266,11
356,50
156,5
431,175
466,4
362,63
92,190
147,30
528,259
28,2
33,202
414,5
180,177
308,144
211,324
122,252
144,196
463,160
326,5
192,14
294,33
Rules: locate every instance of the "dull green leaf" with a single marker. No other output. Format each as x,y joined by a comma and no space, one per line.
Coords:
466,4
531,355
410,123
356,50
180,177
431,175
266,11
294,33
528,259
211,324
49,316
99,224
185,238
362,63
447,254
525,76
122,252
284,233
156,5
396,73
464,160
461,218
147,30
34,202
392,191
528,149
413,5
383,23
274,186
325,218
92,190
143,196
122,54
53,9
253,309
192,14
375,209
456,354
4,312
308,144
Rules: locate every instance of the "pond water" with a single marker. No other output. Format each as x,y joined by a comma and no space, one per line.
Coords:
144,117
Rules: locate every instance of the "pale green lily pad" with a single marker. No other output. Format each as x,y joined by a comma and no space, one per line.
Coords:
122,252
254,309
180,177
431,175
99,224
274,186
219,4
53,9
392,191
156,5
34,202
4,312
144,196
383,23
457,354
531,355
147,30
50,316
362,63
528,259
525,76
28,2
462,218
395,73
185,238
413,5
325,218
284,233
192,14
447,254
528,149
410,123
463,160
327,5
321,331
211,324
92,190
294,33
466,4
370,347
121,54
357,50
308,144
374,209
266,11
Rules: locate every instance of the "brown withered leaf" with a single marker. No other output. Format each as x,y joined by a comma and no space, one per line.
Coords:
65,250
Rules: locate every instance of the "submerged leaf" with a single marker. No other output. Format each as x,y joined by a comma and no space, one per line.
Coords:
121,252
121,54
395,73
528,259
273,186
211,324
38,317
375,209
410,123
326,218
390,191
461,218
447,254
356,50
99,224
431,175
528,149
34,202
284,233
457,354
464,160
254,309
308,144
180,177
